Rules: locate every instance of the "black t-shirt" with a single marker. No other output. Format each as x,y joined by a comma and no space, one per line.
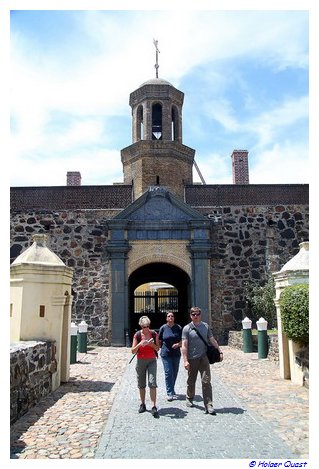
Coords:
169,336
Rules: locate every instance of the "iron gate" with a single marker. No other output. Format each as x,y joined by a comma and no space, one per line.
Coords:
155,302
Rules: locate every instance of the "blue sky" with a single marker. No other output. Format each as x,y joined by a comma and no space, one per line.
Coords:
244,75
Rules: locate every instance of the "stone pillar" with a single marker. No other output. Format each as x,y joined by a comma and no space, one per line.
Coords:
117,248
148,121
200,249
166,121
64,304
283,350
294,272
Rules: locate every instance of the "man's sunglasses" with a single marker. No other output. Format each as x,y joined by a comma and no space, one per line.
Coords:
196,314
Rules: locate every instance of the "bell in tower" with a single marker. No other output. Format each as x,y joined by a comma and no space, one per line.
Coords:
157,111
156,122
157,155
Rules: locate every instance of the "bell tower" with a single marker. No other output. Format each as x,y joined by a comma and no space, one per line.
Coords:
157,155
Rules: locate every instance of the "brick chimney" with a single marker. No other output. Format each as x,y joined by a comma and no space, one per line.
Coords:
73,178
240,167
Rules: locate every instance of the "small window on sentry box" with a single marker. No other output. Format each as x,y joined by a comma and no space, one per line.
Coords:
42,311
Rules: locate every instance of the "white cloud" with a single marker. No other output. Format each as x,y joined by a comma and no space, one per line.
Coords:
96,167
118,56
281,164
273,123
285,163
215,169
267,125
83,132
221,110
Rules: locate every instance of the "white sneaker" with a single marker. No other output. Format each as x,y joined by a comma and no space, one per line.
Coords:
170,398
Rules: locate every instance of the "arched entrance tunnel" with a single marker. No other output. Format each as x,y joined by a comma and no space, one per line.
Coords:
179,301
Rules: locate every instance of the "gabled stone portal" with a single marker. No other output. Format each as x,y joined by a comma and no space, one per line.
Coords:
157,228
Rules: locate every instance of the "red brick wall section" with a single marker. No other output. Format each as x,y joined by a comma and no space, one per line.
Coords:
256,194
119,197
70,197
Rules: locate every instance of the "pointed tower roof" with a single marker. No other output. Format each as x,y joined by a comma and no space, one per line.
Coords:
38,253
300,261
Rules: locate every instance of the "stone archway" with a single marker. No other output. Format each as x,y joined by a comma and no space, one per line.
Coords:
160,230
159,272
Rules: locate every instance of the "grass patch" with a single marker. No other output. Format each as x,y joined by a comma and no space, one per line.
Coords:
269,331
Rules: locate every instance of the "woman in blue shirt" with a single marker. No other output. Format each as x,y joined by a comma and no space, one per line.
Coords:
170,338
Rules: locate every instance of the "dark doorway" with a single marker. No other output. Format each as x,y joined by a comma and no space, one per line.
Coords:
155,298
156,122
179,299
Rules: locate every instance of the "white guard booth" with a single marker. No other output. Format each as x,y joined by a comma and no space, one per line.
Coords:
295,271
41,300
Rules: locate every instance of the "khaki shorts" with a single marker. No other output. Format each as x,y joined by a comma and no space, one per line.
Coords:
146,367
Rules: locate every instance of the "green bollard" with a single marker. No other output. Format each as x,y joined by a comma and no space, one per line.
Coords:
82,338
73,342
262,338
247,336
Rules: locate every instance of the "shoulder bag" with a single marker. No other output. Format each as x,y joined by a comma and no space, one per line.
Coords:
212,352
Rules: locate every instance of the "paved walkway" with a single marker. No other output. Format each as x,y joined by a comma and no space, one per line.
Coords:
95,415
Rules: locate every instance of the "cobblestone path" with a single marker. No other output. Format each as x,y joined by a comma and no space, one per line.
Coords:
92,415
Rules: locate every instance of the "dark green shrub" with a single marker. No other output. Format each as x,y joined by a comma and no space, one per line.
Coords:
260,299
294,308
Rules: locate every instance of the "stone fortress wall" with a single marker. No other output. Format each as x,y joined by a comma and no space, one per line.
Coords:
249,242
31,366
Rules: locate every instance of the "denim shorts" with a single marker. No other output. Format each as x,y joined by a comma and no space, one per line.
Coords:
146,367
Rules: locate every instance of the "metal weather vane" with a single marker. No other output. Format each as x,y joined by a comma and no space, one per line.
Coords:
155,42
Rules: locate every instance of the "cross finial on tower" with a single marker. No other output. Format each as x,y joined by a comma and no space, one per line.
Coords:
155,42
